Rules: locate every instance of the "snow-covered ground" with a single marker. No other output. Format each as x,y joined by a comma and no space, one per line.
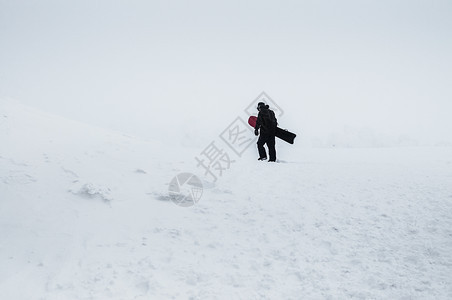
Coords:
85,214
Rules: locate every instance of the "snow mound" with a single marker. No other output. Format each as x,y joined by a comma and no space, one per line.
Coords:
91,191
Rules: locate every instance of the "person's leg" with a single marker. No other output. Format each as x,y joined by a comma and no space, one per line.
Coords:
271,148
260,147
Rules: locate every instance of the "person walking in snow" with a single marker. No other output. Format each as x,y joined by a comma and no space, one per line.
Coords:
266,122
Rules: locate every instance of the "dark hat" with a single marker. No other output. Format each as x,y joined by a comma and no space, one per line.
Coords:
261,105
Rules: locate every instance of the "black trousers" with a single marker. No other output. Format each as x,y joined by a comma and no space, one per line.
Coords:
270,141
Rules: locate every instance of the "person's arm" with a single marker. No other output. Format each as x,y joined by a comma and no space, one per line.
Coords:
258,124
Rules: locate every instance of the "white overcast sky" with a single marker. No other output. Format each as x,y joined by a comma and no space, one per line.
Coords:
140,66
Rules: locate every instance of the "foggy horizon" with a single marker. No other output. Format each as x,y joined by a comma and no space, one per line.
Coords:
142,67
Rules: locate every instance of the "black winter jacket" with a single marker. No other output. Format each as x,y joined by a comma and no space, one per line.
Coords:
266,121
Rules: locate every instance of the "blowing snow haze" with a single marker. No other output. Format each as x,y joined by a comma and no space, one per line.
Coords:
106,107
150,68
